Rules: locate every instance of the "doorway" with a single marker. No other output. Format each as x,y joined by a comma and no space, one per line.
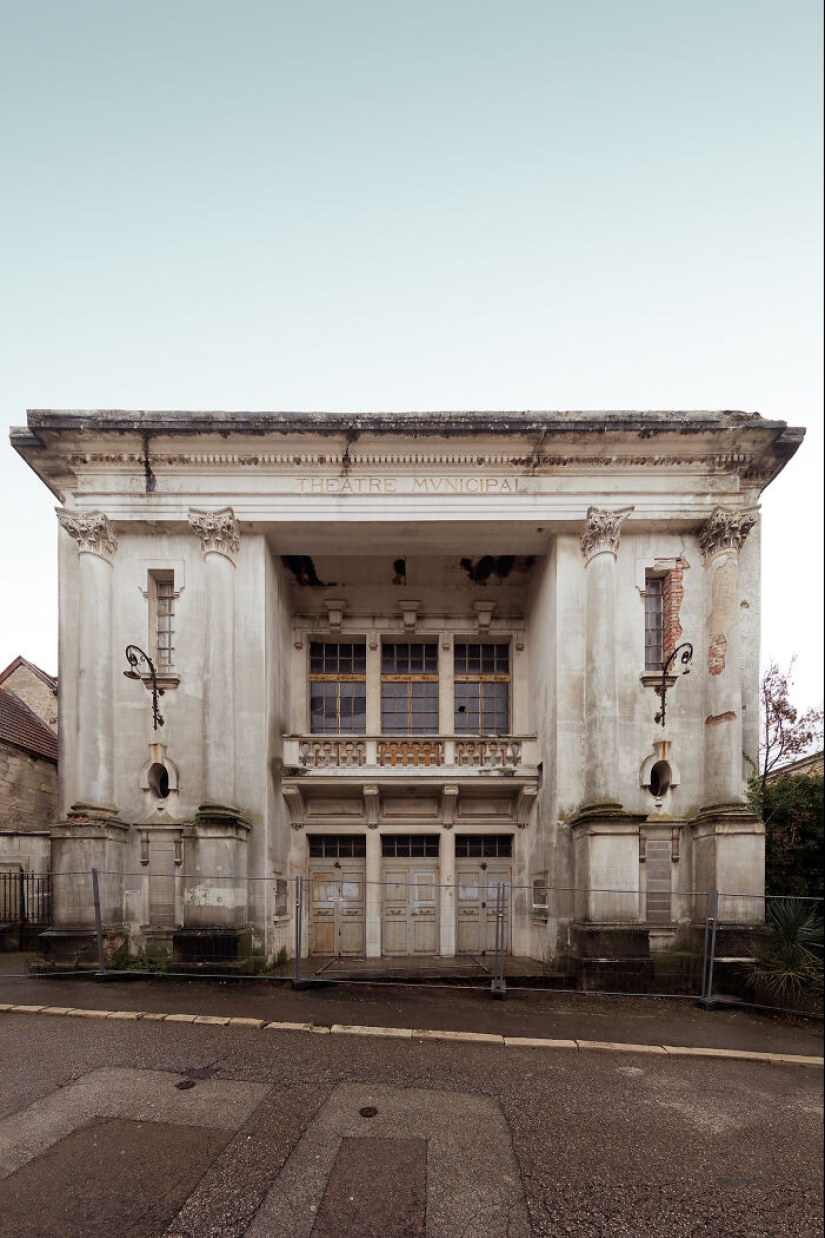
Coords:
336,894
483,862
410,894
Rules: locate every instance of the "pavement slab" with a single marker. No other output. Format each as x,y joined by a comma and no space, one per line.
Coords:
473,1186
108,1197
593,1143
141,1095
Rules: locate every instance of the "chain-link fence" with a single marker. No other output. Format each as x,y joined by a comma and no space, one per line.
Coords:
479,930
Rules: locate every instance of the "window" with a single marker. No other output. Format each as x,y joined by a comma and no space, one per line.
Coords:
280,903
482,689
409,846
654,625
166,622
488,846
337,846
409,689
162,597
337,688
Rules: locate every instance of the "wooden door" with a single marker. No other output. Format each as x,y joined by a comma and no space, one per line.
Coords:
337,908
476,905
410,907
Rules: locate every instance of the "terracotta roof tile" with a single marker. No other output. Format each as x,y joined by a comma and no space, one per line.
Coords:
19,726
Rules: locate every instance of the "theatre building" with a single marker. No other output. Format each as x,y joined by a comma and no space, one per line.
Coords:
410,657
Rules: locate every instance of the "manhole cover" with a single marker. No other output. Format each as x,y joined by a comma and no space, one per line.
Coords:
184,1084
369,1111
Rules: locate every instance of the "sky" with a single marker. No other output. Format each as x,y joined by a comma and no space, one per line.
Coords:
409,205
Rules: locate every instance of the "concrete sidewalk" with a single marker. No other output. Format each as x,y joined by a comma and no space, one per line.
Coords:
525,1014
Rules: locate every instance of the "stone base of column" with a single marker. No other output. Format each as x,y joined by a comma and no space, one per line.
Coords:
215,891
91,836
606,864
729,856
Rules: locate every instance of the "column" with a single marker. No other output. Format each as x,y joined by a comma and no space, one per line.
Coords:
94,772
720,540
220,541
728,840
373,894
446,864
600,543
91,836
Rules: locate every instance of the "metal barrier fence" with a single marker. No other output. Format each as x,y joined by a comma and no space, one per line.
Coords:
481,930
25,905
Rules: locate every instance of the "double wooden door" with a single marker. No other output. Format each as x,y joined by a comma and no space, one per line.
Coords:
410,906
336,906
476,884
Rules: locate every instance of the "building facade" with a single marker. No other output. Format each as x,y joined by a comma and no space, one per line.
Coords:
28,769
410,657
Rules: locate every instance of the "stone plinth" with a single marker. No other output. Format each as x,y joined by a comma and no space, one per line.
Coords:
215,883
92,836
729,856
606,864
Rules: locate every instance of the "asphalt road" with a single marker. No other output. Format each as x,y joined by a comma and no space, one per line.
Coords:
335,1136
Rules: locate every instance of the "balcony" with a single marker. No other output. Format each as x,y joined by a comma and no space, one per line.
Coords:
478,752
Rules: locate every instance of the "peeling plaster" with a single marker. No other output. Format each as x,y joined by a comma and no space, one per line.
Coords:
724,613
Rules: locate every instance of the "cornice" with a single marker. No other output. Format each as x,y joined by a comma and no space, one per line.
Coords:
750,467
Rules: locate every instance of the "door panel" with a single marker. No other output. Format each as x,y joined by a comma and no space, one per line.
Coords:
337,908
476,906
410,907
424,892
468,909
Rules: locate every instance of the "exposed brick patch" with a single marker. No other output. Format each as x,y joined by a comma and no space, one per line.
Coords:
717,650
715,719
672,594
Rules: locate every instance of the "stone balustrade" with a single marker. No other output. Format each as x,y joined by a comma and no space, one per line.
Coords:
488,753
332,753
409,752
320,752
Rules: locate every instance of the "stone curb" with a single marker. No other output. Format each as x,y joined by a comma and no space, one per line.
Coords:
408,1033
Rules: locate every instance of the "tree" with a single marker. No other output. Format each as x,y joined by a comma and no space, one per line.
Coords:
785,733
793,812
792,805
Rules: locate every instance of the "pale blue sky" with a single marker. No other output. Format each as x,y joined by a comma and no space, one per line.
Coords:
418,205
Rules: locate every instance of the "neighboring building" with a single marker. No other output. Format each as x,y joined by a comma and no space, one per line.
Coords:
809,766
28,766
409,656
34,687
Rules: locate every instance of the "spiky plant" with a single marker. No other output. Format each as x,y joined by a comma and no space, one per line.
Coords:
787,957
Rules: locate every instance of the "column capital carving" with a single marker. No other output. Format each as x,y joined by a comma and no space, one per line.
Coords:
725,530
92,532
602,530
218,531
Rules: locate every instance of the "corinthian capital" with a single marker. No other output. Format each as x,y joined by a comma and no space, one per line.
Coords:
218,531
725,531
601,531
91,531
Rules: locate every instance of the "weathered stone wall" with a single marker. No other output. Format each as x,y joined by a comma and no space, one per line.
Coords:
35,694
28,790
